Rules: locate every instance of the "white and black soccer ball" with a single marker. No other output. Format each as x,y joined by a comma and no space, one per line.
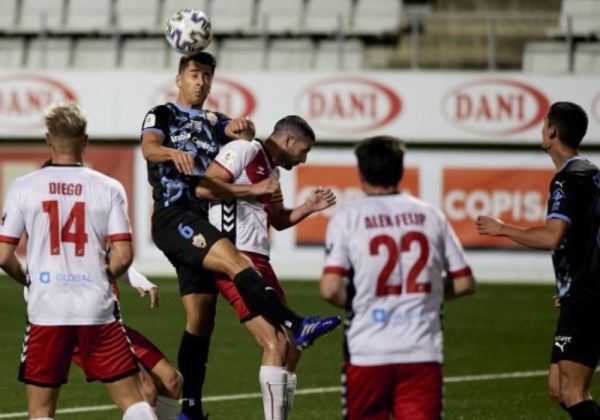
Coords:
188,31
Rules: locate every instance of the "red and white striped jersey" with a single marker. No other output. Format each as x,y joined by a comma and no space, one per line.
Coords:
396,251
245,220
68,213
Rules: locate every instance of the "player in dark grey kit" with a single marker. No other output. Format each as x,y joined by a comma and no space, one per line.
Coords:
179,140
572,232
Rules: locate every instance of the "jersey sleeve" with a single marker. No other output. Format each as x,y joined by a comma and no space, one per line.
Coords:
454,254
235,156
157,120
12,221
337,256
561,202
119,228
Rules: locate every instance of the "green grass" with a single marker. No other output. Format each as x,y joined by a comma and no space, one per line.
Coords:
503,328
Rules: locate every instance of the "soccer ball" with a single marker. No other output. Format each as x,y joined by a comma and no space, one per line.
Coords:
188,31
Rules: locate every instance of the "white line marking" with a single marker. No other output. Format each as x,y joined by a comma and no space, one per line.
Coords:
217,398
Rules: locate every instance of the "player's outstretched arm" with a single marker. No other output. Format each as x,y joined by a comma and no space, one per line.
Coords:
319,199
10,263
333,289
240,128
217,183
547,236
154,151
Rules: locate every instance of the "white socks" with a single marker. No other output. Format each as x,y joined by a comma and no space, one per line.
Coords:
139,411
290,390
166,408
273,381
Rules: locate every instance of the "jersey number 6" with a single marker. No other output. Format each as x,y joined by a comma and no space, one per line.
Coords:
383,289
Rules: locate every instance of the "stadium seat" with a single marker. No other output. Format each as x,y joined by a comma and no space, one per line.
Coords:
138,15
146,54
585,16
225,18
92,54
172,6
377,16
49,53
8,14
323,15
546,58
12,52
88,15
291,54
282,16
242,54
37,15
587,59
327,55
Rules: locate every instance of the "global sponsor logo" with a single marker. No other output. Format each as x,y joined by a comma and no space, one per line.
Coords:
227,96
348,104
73,278
495,107
45,277
23,99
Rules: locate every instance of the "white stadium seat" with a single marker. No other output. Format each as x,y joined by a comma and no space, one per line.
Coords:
377,16
138,15
227,17
92,54
327,56
546,58
12,52
282,16
291,54
144,54
587,59
585,16
324,15
37,15
172,6
88,15
241,54
8,14
49,53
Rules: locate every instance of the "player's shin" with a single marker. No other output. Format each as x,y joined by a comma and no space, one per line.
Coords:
290,391
262,299
273,386
192,358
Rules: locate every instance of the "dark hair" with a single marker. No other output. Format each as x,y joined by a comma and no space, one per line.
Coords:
380,160
297,125
201,57
571,122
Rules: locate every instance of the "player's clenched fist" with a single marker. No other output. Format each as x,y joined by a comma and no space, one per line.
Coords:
489,226
241,128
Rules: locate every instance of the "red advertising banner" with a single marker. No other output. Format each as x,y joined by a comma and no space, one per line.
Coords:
344,181
517,196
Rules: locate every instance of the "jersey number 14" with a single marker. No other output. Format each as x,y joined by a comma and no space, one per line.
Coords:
75,220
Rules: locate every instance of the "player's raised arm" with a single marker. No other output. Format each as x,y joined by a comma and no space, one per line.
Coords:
319,199
154,151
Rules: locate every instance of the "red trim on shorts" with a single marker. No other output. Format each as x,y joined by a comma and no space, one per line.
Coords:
231,177
466,271
120,237
145,351
9,240
335,270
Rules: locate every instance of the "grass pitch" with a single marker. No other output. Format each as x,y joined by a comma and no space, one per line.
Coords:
501,329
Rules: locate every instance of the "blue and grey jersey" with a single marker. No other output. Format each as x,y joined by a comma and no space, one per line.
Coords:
199,132
575,199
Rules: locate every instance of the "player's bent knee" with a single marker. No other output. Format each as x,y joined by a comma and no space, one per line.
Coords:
173,384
